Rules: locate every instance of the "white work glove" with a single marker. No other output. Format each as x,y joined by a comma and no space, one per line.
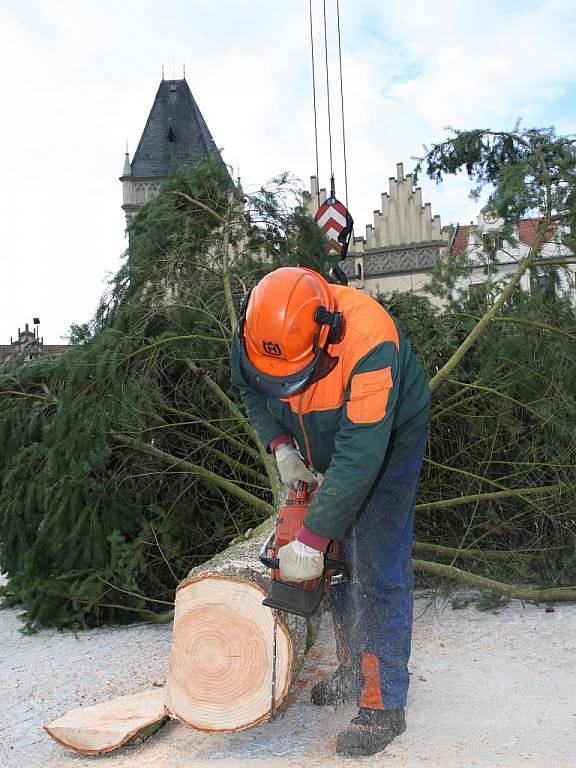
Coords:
299,562
291,467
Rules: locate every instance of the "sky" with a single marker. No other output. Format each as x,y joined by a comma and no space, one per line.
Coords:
79,78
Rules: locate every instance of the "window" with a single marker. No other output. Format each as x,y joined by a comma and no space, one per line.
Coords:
490,241
541,284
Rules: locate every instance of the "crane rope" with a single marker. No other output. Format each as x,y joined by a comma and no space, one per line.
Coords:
332,192
314,97
342,103
332,216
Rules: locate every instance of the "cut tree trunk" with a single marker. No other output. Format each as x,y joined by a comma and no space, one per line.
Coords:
105,727
221,662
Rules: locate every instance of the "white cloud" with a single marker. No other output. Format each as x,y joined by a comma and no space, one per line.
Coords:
81,78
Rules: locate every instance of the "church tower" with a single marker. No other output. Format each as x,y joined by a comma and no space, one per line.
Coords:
175,136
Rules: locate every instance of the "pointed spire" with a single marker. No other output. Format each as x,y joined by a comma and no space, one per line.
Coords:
127,170
160,151
184,71
162,71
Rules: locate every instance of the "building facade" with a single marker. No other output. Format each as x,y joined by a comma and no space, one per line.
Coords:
472,241
401,245
399,248
28,345
406,240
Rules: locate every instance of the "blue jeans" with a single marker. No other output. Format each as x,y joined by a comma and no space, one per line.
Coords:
373,611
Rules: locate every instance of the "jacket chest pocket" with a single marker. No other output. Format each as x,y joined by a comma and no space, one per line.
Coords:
369,396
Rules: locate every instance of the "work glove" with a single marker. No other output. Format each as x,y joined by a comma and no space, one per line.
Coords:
291,467
299,562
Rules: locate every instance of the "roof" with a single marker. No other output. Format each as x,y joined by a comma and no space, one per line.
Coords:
45,349
55,348
175,133
526,234
527,231
460,242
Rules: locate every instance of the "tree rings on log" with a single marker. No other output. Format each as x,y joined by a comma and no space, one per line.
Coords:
220,664
105,727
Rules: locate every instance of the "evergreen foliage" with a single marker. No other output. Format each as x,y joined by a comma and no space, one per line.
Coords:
127,460
95,530
502,424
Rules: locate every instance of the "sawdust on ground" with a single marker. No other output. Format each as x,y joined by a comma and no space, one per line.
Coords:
488,689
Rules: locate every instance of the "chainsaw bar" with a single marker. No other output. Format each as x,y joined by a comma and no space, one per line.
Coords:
274,647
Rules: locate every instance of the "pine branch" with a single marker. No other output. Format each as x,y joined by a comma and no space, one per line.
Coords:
225,222
211,427
526,594
267,460
444,373
476,497
438,550
234,464
570,334
210,477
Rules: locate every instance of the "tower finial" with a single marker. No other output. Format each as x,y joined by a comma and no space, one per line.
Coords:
184,70
162,70
127,170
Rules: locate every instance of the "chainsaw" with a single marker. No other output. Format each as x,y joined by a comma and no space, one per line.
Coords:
302,598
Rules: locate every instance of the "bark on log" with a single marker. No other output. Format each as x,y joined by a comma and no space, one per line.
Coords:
105,727
220,664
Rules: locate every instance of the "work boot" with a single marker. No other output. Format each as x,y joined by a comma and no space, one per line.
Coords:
370,732
339,688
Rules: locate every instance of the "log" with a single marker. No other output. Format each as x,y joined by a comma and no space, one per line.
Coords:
220,663
105,727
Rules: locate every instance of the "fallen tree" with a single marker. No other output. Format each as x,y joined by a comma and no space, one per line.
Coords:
128,460
221,674
110,725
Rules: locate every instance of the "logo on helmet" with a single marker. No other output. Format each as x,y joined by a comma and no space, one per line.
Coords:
270,348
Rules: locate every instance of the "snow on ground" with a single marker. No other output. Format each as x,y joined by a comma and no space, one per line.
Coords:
488,689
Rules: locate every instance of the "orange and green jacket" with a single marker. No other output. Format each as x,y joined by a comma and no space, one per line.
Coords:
373,407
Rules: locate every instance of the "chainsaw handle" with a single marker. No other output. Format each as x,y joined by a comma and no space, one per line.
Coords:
269,562
332,565
274,563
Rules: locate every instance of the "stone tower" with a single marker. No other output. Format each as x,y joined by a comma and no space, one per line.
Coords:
175,136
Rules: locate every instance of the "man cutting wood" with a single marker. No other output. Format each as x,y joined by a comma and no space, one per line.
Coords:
329,381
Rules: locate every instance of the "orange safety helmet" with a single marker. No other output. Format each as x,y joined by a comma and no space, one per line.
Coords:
286,324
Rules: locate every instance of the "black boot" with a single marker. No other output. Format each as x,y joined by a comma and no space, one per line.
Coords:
339,688
370,732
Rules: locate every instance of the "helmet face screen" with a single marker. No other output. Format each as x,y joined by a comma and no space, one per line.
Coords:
284,386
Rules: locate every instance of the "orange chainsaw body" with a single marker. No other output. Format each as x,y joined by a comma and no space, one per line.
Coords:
289,522
288,595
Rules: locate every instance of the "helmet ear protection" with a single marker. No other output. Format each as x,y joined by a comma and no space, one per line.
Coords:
335,321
